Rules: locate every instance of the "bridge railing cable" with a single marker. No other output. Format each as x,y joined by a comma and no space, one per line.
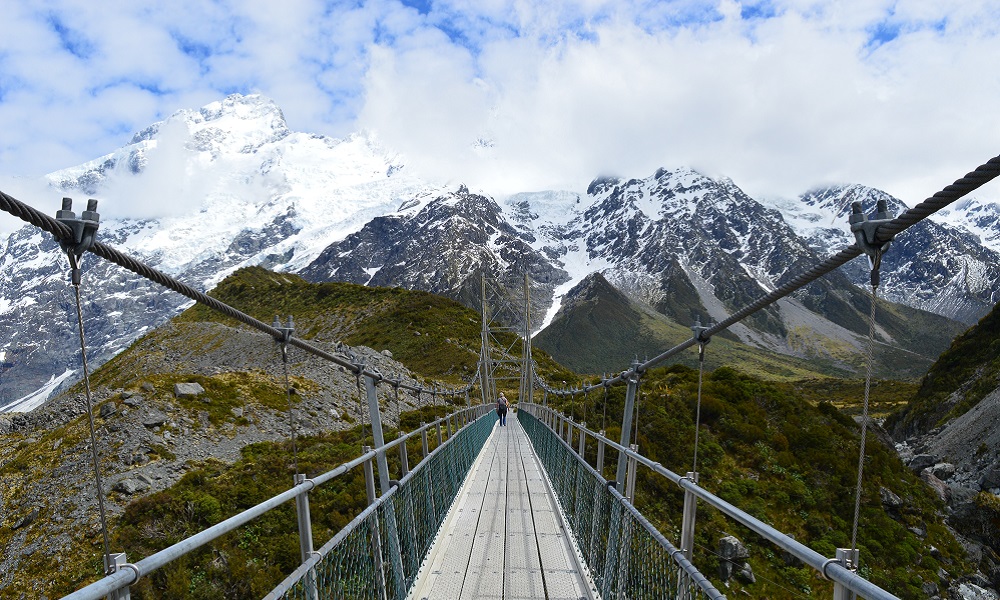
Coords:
625,554
426,492
972,181
831,570
61,232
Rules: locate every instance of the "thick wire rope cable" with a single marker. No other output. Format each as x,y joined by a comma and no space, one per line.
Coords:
972,181
291,410
75,266
62,232
869,360
697,410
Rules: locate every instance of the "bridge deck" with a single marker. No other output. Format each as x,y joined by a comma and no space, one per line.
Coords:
504,537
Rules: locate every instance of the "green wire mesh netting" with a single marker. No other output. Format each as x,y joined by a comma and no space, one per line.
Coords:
626,556
377,556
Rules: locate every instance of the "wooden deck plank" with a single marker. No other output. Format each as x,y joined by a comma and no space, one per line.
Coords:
503,538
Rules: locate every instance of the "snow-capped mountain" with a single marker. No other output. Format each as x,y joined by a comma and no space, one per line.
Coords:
442,242
217,188
207,191
935,265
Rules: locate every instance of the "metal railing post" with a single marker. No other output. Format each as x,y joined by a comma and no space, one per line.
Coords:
630,475
448,421
687,521
306,549
392,531
376,540
630,392
117,560
583,441
377,436
849,559
569,431
600,454
423,437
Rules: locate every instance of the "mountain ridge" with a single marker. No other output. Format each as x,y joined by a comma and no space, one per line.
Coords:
230,186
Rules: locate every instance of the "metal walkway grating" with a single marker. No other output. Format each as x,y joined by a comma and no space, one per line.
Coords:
503,538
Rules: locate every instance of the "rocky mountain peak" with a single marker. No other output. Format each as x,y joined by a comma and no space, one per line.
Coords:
593,287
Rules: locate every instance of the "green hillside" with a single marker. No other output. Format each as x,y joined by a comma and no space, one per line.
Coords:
778,449
432,335
970,366
602,330
790,463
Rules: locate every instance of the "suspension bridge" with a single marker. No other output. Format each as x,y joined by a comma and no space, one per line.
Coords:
530,510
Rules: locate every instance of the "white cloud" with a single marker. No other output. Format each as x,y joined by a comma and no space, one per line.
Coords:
800,98
777,94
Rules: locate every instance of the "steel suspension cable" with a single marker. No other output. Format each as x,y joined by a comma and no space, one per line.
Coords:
604,411
869,366
399,409
74,262
63,232
361,407
971,182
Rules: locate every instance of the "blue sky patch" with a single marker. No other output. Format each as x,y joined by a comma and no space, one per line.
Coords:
190,47
72,41
422,6
759,10
882,33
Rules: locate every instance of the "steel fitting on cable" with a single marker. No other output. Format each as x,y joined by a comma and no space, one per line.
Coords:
699,332
84,229
865,232
284,332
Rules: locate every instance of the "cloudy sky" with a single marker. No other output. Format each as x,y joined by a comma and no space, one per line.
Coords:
518,95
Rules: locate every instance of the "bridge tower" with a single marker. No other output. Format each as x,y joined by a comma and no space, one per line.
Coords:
503,314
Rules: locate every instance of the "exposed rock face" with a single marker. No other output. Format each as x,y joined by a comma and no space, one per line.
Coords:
960,461
149,448
188,390
689,245
733,557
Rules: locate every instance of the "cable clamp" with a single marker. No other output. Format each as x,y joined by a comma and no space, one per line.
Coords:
84,229
699,335
286,331
865,232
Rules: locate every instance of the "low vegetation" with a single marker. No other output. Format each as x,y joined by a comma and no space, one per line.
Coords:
789,462
781,448
971,367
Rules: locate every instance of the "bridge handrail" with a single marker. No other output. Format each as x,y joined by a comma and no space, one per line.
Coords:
675,554
318,556
827,567
130,573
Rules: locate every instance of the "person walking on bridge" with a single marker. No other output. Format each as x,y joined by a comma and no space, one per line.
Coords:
502,406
